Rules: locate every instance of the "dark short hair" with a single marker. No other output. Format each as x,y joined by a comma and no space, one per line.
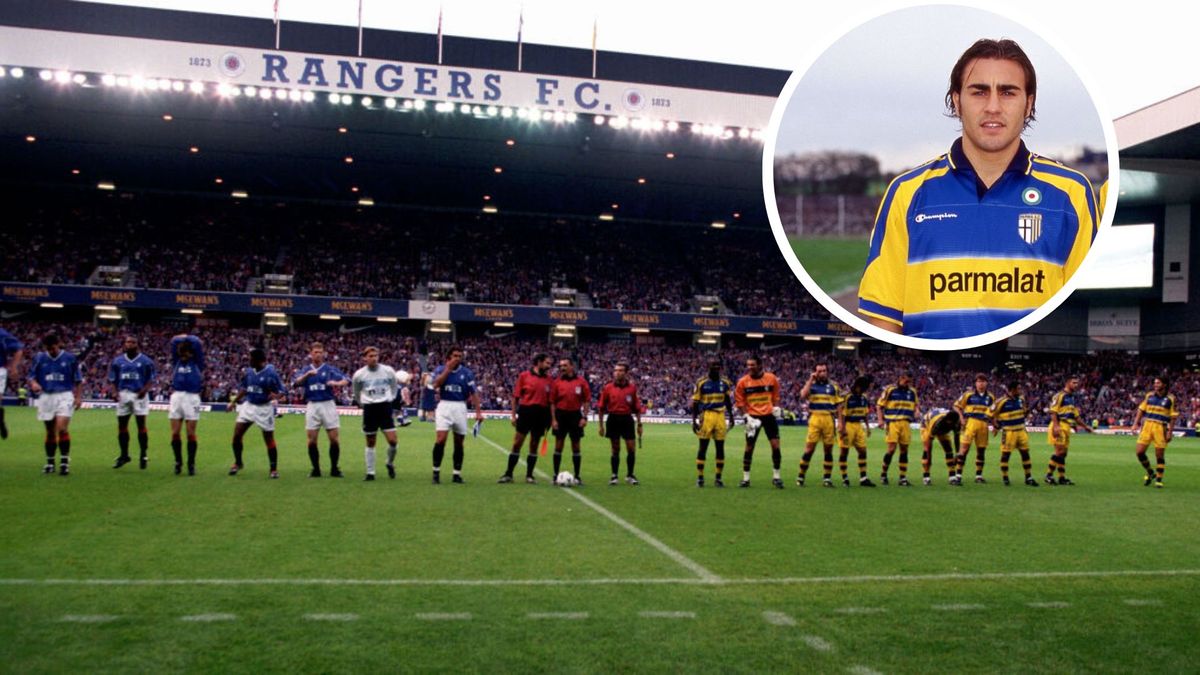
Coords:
623,364
1014,384
981,376
540,356
1165,380
456,348
257,354
51,339
1003,50
755,358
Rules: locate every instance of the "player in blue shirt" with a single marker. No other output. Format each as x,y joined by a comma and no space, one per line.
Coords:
187,381
11,351
131,375
57,381
318,380
455,385
259,388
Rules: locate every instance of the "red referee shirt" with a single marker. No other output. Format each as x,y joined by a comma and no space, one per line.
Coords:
620,400
533,389
570,395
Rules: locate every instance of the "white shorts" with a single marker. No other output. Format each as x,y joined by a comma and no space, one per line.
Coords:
451,415
128,404
321,415
184,406
59,404
262,415
3,380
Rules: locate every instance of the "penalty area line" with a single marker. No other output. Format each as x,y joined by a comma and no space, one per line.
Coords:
705,575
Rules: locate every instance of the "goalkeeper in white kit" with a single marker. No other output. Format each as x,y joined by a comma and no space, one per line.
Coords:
375,386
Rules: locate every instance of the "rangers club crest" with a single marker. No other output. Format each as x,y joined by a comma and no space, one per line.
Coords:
231,64
1029,226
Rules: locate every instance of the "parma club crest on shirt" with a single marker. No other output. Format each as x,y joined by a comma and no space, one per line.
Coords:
1029,226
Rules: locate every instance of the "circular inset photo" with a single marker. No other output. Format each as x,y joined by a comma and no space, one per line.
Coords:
932,177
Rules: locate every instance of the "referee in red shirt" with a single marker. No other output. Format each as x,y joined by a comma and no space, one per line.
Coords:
620,402
570,398
530,415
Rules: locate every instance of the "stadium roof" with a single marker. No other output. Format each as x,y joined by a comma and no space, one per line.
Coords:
281,148
1160,151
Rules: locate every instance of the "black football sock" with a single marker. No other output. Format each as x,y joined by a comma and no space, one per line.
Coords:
577,460
630,459
557,461
51,446
177,448
616,462
530,463
513,458
457,457
191,449
335,453
64,446
314,456
272,455
237,451
776,458
439,451
123,442
720,464
143,437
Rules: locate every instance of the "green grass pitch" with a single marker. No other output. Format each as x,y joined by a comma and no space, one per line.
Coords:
100,570
834,263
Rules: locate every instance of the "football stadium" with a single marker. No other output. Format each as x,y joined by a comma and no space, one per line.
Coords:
370,303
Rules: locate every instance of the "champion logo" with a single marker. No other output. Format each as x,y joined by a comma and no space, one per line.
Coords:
922,217
1032,196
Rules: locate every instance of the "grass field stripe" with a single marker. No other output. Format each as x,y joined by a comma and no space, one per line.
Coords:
778,619
862,670
695,567
964,607
1048,605
331,617
1139,602
569,616
88,618
667,581
860,610
445,616
205,618
667,615
817,642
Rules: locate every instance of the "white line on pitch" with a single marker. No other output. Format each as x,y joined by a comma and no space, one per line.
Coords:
667,615
445,616
88,618
778,619
331,617
1137,602
1048,605
668,581
816,642
860,610
570,616
696,568
862,670
208,617
958,608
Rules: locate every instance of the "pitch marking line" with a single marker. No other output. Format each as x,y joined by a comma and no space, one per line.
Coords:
1048,605
569,616
862,670
778,619
1138,602
816,642
958,608
668,581
88,618
445,616
203,618
331,617
696,568
667,615
860,610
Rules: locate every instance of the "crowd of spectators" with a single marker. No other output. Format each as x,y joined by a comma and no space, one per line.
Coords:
1112,384
186,243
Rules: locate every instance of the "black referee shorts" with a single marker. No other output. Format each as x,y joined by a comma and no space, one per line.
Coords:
378,417
533,419
568,425
620,426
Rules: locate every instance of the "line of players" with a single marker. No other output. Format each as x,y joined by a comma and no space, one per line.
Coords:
560,405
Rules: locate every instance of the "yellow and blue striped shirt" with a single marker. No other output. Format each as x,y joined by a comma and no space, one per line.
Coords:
1010,413
974,405
898,404
857,408
1066,406
1160,409
823,398
951,258
713,394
